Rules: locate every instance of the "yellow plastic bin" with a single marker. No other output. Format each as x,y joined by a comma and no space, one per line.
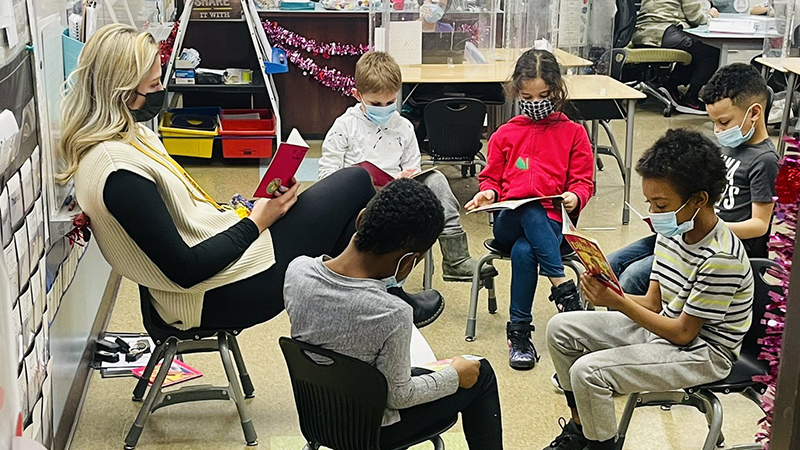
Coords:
196,143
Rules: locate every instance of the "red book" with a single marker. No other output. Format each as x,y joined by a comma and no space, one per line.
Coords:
592,258
283,165
178,373
379,177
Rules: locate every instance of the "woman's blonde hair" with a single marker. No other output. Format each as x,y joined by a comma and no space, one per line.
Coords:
95,96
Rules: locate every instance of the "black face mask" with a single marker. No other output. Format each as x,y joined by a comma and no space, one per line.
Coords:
153,104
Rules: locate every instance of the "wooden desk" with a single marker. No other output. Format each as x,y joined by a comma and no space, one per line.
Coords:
773,63
496,72
564,58
792,66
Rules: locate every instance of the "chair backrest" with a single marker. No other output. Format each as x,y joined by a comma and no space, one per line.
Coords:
624,22
340,400
770,99
750,346
454,127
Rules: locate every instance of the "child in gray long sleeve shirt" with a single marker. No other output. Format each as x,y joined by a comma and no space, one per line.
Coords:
341,304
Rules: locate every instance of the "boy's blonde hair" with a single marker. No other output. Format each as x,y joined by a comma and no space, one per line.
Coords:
376,73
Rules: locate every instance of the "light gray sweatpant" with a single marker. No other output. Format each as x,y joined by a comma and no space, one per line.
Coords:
597,353
438,183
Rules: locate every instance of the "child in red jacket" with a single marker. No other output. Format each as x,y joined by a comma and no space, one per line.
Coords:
536,154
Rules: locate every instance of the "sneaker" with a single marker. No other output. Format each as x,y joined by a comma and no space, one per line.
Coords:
688,105
570,438
556,383
521,352
566,297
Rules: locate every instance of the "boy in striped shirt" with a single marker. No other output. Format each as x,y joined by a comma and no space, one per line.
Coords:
688,329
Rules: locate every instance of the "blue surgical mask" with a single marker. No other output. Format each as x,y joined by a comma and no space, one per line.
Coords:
666,223
379,115
392,280
733,137
433,14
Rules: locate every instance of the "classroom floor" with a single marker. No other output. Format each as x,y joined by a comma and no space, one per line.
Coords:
531,406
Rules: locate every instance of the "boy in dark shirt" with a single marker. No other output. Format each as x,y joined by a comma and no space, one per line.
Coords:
736,99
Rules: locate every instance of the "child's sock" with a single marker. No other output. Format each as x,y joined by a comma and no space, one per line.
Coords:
602,445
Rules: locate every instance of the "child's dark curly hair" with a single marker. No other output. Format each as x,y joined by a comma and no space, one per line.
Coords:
689,161
404,215
739,82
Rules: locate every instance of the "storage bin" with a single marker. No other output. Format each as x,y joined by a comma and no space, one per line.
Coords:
196,143
71,49
234,134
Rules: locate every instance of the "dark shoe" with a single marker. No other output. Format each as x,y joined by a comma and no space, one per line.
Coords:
428,305
570,438
457,264
566,297
690,104
521,352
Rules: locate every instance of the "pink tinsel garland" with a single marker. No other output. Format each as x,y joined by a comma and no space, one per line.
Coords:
293,44
782,243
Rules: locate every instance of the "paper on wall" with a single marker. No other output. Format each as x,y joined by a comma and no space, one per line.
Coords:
26,311
14,186
9,132
36,167
16,327
23,259
11,267
26,174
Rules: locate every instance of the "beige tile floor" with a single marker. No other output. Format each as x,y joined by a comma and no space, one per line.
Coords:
531,407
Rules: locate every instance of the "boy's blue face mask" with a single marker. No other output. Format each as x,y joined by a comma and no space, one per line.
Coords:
733,137
379,115
666,223
392,280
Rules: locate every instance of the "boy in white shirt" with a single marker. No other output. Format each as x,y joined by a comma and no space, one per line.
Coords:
374,131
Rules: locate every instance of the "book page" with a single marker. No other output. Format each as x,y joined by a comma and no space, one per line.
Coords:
513,204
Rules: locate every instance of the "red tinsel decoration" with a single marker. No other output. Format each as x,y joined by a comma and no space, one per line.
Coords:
787,186
165,46
294,44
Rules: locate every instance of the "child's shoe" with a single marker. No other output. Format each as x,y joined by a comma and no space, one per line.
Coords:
521,352
571,437
566,297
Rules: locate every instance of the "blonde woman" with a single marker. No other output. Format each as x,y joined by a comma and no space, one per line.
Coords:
203,265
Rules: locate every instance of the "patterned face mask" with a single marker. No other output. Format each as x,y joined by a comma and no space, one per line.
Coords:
537,110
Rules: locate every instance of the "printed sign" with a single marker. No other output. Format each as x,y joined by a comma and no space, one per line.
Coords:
217,10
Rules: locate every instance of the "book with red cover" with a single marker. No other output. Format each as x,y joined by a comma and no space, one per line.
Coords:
283,165
588,251
178,373
379,177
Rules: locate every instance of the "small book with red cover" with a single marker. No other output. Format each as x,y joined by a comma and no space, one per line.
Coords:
379,177
178,373
283,165
588,251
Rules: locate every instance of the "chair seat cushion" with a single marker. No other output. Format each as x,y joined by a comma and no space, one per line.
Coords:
740,378
657,55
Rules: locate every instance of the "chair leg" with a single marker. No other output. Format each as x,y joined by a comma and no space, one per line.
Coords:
625,420
437,442
171,349
233,383
427,277
141,385
473,300
247,384
714,418
492,296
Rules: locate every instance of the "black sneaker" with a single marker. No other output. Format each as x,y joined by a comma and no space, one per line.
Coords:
570,438
691,105
566,297
521,352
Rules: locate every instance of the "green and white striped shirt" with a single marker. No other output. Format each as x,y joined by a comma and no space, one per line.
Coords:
711,280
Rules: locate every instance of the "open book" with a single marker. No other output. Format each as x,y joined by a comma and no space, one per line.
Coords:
514,204
380,177
436,366
283,165
588,251
178,373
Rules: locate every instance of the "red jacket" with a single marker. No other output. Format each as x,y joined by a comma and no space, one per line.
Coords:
533,159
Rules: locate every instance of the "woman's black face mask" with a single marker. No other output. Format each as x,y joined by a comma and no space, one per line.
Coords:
153,104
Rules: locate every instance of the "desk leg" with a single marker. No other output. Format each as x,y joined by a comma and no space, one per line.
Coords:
595,135
427,277
787,108
626,213
723,54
